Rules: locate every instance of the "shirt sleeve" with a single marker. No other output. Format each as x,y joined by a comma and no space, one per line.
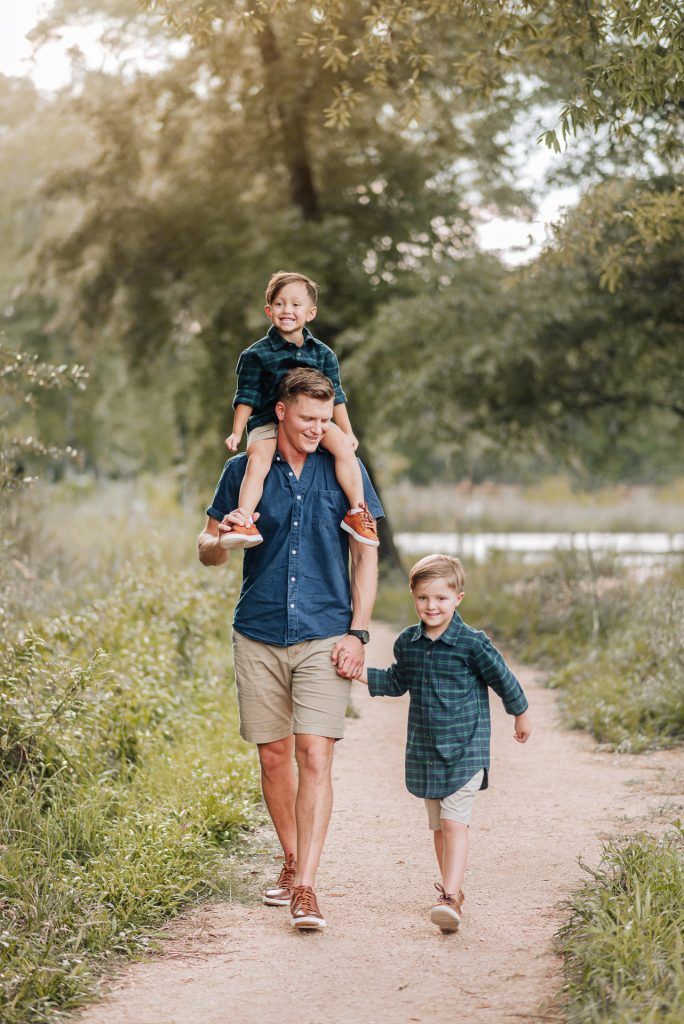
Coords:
331,368
494,672
374,506
389,682
227,490
249,374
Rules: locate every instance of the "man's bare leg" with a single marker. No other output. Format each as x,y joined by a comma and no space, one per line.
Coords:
279,786
314,802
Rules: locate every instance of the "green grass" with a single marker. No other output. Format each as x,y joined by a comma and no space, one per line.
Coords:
623,943
123,781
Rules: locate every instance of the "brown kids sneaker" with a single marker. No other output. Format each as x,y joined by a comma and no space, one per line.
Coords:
280,894
304,912
241,537
361,525
446,913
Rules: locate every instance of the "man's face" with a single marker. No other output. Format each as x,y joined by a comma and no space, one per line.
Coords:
291,309
305,421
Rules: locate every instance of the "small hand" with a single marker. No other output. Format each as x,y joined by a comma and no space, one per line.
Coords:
232,443
523,728
239,517
348,657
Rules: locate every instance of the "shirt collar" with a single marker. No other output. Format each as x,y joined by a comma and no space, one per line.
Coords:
449,636
277,340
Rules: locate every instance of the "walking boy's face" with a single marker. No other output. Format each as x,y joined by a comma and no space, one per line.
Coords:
291,309
436,603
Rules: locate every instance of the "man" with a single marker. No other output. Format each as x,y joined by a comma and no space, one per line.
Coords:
299,630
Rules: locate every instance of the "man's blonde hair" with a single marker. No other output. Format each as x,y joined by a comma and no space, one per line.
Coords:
436,567
283,277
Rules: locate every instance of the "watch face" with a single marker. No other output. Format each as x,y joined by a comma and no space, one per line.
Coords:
362,634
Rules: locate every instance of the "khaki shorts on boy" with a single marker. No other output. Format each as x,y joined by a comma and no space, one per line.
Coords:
266,432
286,690
457,806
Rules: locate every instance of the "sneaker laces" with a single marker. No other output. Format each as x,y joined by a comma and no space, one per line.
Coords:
444,896
304,899
287,874
366,518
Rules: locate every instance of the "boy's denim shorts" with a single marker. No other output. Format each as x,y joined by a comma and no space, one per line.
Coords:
456,807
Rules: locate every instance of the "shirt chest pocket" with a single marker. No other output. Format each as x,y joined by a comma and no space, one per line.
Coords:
328,509
452,679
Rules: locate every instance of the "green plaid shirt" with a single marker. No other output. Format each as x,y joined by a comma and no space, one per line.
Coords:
448,722
262,365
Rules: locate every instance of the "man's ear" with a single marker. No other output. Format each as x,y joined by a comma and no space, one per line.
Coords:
280,410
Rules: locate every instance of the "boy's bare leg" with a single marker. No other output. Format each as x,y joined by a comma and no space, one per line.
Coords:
439,847
347,469
454,854
314,802
259,458
279,786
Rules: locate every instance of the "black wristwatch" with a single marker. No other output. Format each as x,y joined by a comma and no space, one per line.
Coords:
361,634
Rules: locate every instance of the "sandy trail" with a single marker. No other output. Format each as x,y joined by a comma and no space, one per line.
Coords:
380,961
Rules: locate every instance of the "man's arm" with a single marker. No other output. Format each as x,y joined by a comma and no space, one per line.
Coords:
348,653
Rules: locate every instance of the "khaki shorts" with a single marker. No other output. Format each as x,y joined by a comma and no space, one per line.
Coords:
266,432
456,807
286,690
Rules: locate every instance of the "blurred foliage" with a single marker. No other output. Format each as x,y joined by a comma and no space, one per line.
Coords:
149,200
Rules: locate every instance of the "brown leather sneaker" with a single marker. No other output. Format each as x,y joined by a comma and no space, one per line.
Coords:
361,525
280,894
304,912
241,537
446,913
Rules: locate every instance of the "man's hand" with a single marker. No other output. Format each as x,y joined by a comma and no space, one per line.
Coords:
348,657
523,727
238,517
232,443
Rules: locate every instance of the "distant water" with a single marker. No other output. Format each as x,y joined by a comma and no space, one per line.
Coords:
630,548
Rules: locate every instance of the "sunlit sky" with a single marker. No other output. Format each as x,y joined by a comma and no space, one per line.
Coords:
49,69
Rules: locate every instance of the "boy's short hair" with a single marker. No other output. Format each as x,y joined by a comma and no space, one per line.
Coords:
283,277
304,380
434,567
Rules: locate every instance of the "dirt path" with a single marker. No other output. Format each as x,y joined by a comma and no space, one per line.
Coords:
380,961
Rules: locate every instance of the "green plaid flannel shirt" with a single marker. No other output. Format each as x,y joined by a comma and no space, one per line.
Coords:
448,723
262,365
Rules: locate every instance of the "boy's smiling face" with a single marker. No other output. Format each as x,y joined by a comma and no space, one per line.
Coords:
436,603
291,309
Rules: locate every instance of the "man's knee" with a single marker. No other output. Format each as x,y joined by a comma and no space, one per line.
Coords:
314,754
274,757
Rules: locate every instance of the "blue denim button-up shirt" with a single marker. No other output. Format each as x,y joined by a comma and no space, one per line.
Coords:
295,586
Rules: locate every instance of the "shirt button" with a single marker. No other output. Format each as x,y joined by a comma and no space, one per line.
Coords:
291,606
296,523
293,578
294,551
299,497
290,473
277,458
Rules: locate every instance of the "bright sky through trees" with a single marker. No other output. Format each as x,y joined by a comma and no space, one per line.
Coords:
49,69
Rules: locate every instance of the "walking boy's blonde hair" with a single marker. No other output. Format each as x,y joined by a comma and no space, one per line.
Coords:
434,567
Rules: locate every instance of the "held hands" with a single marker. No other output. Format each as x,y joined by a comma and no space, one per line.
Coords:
232,443
348,657
523,728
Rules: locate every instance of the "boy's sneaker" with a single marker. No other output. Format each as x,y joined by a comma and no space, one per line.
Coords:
361,525
446,913
304,912
241,537
280,894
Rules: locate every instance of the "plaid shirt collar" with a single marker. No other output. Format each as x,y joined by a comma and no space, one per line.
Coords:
449,636
277,340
